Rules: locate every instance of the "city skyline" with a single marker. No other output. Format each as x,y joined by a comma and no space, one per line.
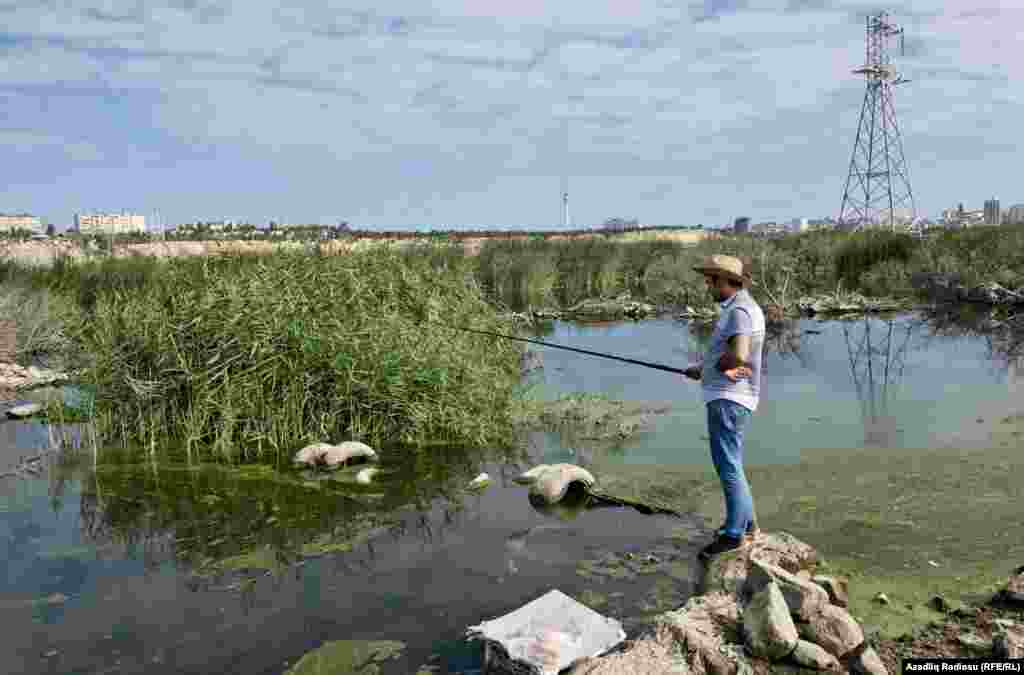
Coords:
456,116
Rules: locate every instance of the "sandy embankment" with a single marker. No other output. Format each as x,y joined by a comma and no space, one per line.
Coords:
44,253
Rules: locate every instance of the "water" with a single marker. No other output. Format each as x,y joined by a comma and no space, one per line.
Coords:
115,570
892,383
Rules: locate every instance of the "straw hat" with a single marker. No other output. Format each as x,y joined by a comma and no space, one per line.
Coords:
724,265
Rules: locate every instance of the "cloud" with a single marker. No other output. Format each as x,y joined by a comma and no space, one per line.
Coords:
723,93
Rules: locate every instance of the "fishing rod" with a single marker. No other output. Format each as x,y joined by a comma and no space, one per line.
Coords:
646,364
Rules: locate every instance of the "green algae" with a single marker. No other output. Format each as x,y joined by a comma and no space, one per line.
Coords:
909,523
592,599
347,657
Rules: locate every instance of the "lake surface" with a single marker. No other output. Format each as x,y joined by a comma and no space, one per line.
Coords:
136,568
884,382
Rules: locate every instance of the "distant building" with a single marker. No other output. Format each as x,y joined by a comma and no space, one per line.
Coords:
993,216
109,223
1014,215
21,221
741,225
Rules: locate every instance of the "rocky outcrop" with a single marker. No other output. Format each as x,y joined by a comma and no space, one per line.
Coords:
728,572
768,629
762,611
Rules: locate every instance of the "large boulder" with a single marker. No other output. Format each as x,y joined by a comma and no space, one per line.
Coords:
707,631
836,587
653,655
865,661
768,629
1008,642
728,572
804,598
834,629
1013,594
809,655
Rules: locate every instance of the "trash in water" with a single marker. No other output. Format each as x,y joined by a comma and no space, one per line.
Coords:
546,635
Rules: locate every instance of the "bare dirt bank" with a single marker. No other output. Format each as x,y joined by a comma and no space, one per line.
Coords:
44,253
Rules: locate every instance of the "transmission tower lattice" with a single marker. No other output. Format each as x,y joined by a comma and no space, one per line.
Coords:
877,188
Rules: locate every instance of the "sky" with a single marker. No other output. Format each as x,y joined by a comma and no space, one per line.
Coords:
476,114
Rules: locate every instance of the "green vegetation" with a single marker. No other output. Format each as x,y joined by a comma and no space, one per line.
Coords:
245,355
249,354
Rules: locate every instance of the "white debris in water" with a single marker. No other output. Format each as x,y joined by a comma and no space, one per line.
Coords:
365,476
27,410
481,481
549,633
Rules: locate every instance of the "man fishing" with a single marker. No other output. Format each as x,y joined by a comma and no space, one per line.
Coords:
731,377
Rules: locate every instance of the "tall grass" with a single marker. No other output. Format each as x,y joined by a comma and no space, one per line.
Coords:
247,355
521,274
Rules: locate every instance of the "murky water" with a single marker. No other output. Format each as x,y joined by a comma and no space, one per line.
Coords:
136,568
893,382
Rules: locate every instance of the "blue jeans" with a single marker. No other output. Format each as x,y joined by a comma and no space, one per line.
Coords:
726,422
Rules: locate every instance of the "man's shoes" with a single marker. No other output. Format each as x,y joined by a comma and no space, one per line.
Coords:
720,545
752,533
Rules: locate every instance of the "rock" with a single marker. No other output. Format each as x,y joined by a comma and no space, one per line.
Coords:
333,456
706,630
23,411
728,572
974,643
836,587
554,481
652,655
1008,642
834,629
803,597
810,655
1014,591
365,476
768,629
939,604
352,657
865,661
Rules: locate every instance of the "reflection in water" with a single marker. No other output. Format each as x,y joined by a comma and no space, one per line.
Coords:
876,362
218,519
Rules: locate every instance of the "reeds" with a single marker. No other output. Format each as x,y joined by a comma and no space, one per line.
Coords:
243,356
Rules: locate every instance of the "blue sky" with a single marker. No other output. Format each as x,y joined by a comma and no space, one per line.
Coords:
466,113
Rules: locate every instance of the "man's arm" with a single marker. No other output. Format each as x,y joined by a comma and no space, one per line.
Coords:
737,355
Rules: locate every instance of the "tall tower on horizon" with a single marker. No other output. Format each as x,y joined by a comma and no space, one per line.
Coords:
877,191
